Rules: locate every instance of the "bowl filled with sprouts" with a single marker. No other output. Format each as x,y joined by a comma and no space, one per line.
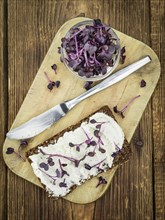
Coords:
91,50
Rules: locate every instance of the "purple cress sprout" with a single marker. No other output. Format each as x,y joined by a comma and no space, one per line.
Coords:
122,55
50,162
142,83
57,83
23,143
54,67
59,50
11,150
51,83
89,167
101,181
88,142
75,161
63,184
121,112
63,172
87,85
45,166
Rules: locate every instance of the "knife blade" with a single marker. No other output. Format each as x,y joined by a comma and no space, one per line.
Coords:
45,120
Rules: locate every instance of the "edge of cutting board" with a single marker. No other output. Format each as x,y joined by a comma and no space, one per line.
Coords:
123,95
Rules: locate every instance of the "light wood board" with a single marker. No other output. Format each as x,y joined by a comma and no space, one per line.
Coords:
40,99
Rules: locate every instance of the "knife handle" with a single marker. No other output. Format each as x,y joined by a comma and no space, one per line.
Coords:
116,77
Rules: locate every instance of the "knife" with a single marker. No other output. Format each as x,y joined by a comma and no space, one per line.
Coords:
45,120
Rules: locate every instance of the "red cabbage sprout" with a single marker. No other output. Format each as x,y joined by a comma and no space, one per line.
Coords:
121,112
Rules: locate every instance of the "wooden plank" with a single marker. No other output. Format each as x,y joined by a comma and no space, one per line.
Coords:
30,40
16,91
3,105
158,105
31,33
130,193
25,55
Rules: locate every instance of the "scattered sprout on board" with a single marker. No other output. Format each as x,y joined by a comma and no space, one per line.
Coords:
101,181
121,112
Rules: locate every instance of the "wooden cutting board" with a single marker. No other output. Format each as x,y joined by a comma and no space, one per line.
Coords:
40,99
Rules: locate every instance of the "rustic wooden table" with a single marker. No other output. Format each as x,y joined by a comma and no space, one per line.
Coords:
27,29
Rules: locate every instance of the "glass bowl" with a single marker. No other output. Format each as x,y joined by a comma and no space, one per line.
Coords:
116,56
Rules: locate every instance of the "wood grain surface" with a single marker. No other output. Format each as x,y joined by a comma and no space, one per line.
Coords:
27,29
71,87
3,107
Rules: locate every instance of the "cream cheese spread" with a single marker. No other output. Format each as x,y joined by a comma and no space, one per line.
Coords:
78,154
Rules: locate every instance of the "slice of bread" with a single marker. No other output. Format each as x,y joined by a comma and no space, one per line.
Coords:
79,152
